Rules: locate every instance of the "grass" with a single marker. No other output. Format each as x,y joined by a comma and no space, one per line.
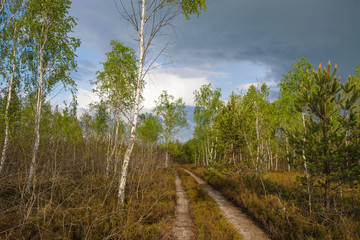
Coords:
208,220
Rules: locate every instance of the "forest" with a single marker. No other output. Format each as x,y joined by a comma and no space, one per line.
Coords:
290,163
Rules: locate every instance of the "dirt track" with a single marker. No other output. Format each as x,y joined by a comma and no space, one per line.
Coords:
183,228
245,226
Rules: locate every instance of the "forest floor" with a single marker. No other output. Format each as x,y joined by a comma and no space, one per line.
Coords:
241,222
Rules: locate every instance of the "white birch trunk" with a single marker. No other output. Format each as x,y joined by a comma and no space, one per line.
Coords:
167,158
37,129
287,152
124,170
258,149
11,83
38,110
257,142
305,166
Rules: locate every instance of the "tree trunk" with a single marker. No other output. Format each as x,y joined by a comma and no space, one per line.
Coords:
287,153
44,32
124,170
37,125
257,144
327,164
308,183
11,83
167,158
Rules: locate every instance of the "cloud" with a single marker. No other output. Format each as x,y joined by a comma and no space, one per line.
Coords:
179,82
273,33
270,34
244,87
85,97
86,71
98,23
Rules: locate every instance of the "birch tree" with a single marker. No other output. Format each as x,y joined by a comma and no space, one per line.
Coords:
53,55
207,103
173,115
10,61
7,8
148,18
116,85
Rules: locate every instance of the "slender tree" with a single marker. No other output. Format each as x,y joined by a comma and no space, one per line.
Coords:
148,18
116,85
290,118
10,61
173,115
207,105
53,54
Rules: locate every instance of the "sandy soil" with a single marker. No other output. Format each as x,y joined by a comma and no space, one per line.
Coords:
241,222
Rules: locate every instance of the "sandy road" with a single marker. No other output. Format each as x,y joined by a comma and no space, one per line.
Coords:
241,222
183,227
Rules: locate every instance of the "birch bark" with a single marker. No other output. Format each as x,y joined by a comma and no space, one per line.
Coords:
125,166
38,114
11,84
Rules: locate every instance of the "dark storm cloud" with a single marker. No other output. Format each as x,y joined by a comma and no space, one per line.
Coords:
273,32
98,23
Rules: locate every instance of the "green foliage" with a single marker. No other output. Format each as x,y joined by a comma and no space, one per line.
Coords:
117,82
191,7
188,7
100,122
289,85
48,26
172,114
207,106
330,147
229,125
149,128
183,153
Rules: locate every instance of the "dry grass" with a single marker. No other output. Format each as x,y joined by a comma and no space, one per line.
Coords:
87,208
282,210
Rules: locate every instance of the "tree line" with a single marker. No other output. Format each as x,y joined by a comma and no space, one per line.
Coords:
312,126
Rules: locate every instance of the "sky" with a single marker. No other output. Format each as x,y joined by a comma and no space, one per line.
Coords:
232,45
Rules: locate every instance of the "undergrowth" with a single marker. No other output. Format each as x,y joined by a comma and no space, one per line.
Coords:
73,208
